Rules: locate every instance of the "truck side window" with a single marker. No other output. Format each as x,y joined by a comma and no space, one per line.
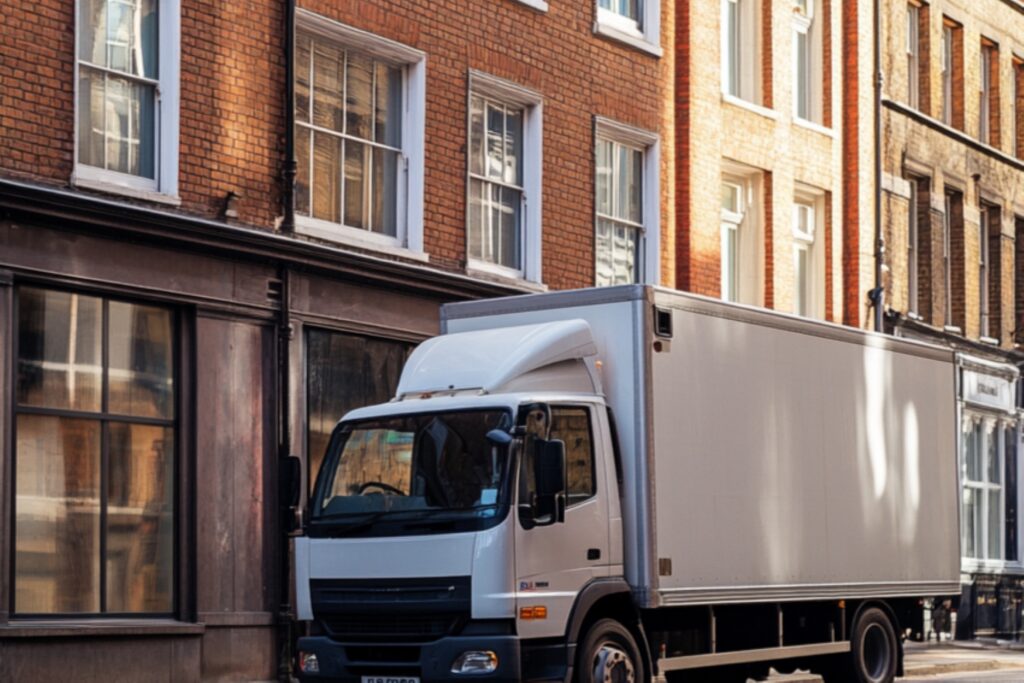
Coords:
572,425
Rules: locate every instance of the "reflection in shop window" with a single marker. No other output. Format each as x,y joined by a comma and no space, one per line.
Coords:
343,372
95,456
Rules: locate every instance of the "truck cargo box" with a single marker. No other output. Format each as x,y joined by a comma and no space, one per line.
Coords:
766,457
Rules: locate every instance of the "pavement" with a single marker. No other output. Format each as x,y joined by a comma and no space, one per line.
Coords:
948,657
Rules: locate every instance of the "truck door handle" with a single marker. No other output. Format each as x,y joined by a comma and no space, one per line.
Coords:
593,553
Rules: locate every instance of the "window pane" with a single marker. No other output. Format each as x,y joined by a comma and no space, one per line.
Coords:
731,201
328,62
970,523
995,525
972,455
388,107
141,351
119,35
302,141
992,470
476,135
359,96
326,177
91,117
59,350
500,243
117,125
603,181
514,147
57,515
357,180
624,255
802,283
603,247
572,425
343,372
477,216
802,77
730,261
495,141
385,178
732,47
140,519
302,57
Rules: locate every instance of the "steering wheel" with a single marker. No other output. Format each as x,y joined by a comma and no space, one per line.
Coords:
380,485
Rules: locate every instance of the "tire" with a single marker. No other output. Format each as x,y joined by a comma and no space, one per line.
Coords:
609,653
874,652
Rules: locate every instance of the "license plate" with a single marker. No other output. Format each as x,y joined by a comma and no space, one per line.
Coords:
391,679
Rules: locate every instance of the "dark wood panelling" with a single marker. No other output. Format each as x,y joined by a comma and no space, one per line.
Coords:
234,460
239,654
149,271
383,312
110,660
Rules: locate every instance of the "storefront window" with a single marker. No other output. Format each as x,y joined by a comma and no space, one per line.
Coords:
94,456
989,503
343,372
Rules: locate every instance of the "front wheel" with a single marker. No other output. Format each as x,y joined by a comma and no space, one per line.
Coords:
874,652
609,654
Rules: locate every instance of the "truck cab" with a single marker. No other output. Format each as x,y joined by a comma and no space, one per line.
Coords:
452,531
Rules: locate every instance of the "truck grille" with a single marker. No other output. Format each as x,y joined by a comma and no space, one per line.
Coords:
385,610
370,627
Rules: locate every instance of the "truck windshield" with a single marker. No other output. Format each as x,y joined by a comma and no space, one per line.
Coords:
412,468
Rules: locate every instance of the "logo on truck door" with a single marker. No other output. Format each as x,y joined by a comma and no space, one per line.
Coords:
532,586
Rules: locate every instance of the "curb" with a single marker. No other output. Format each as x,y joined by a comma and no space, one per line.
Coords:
957,667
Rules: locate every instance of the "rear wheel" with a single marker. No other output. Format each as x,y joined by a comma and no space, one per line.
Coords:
874,651
609,654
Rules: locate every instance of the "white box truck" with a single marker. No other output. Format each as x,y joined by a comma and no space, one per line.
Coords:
630,484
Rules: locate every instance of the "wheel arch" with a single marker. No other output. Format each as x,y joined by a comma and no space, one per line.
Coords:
606,598
894,620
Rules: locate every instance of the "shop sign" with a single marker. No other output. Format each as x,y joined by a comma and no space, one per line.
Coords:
988,390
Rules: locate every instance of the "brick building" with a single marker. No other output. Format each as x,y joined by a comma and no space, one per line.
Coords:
953,229
767,123
176,314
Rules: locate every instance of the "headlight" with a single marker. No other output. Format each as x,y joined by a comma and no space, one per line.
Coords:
308,663
475,662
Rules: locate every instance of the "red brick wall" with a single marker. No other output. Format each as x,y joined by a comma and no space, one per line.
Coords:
232,80
232,96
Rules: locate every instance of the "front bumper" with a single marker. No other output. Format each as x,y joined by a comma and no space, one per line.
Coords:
430,662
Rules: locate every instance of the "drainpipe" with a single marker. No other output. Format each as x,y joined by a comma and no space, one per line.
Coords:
877,295
284,514
284,336
290,169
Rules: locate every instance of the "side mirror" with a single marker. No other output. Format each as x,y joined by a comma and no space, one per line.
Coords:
499,437
550,473
289,481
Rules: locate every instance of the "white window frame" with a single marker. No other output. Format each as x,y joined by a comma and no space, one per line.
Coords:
409,212
164,187
531,233
985,95
808,25
913,55
643,34
948,36
947,251
750,235
812,244
732,222
649,239
744,66
913,247
991,428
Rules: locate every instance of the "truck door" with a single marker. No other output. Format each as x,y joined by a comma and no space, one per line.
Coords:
554,562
